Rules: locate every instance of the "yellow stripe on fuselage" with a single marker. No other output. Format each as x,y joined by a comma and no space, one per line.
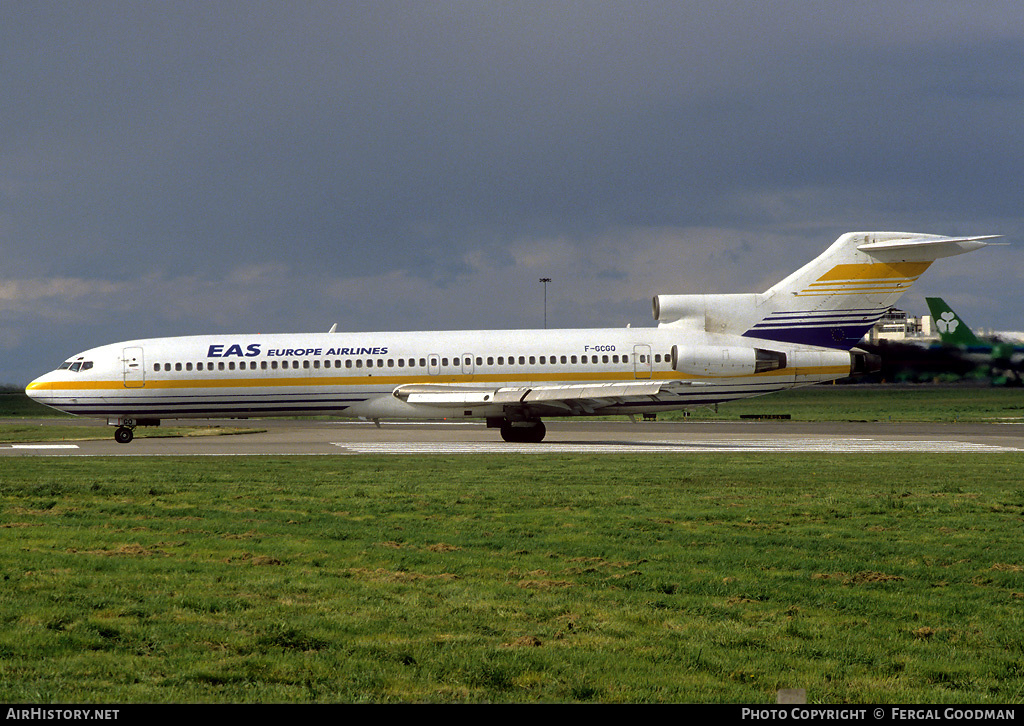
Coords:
506,379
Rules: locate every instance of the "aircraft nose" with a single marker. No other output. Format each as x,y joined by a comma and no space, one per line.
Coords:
32,389
39,389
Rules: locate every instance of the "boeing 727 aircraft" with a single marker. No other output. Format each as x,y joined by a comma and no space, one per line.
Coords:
705,349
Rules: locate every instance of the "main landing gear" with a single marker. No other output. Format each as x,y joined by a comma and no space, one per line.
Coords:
523,432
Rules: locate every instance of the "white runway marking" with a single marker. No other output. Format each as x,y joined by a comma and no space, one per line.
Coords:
675,447
43,446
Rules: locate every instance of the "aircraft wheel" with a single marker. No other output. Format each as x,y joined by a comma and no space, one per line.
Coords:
532,434
124,435
535,434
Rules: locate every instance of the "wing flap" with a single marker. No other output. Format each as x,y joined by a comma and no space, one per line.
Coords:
456,395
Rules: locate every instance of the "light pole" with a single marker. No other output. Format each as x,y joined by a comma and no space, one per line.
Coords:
545,280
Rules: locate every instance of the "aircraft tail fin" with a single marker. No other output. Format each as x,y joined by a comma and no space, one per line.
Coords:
831,301
952,330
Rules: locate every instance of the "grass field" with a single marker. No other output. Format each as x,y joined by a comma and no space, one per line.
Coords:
513,579
876,403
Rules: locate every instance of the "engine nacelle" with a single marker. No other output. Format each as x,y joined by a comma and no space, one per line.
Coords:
864,362
725,360
713,313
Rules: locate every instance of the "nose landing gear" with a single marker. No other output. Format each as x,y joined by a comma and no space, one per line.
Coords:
125,431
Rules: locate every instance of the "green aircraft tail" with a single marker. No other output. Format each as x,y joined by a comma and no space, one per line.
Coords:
952,330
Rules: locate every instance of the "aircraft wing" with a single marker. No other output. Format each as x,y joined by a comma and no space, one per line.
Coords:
584,397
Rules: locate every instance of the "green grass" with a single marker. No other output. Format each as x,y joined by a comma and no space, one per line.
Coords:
875,403
513,579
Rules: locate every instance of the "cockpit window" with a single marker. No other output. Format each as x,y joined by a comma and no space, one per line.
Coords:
76,366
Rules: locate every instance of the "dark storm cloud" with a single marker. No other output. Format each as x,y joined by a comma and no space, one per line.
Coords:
384,165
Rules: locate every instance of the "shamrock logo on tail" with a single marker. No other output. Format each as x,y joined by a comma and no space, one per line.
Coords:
947,322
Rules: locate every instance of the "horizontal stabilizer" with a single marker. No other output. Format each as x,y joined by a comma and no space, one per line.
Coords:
927,247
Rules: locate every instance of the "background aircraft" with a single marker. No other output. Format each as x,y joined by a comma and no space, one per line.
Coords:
1003,359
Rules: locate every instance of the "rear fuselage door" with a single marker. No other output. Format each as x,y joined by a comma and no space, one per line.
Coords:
642,362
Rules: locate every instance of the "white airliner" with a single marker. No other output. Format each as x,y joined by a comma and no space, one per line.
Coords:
705,349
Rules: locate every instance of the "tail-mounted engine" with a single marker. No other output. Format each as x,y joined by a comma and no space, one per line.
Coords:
864,362
725,360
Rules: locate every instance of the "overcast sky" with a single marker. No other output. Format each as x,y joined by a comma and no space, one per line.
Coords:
174,168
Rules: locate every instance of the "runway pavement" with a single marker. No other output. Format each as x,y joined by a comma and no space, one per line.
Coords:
575,436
